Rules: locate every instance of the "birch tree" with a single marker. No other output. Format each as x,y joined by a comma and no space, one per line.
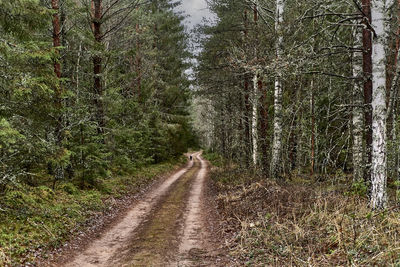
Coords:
358,122
277,142
379,14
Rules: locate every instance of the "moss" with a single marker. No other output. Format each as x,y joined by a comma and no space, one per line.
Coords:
69,188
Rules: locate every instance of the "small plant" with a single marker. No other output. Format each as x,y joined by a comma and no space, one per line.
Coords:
216,159
359,188
69,188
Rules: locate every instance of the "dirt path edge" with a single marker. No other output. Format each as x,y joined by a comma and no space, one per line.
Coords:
100,223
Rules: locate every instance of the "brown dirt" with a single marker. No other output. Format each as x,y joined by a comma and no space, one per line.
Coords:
170,227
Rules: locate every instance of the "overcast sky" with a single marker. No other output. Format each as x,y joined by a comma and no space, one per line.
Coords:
196,9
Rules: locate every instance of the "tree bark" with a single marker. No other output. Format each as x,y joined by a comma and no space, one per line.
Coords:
97,67
358,122
57,65
255,97
59,172
379,169
247,119
254,128
392,79
277,142
293,145
246,99
312,128
263,125
367,70
138,62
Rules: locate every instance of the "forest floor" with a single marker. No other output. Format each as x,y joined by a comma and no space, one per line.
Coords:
220,214
173,224
301,220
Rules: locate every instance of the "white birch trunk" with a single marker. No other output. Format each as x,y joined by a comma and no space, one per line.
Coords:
379,168
358,112
254,120
277,142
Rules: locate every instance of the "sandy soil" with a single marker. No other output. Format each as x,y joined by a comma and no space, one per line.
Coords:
194,239
167,228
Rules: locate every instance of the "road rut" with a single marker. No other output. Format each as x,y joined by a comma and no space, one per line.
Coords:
164,229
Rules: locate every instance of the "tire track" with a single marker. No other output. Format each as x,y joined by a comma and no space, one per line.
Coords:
193,244
113,241
156,242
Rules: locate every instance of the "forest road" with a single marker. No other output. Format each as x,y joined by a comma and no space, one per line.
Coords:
166,228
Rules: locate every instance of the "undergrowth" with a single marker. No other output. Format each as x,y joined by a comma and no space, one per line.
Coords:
35,219
303,223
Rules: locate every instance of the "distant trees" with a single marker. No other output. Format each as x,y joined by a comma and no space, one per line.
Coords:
67,107
335,63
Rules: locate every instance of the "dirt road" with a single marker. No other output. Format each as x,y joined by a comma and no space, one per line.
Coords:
165,229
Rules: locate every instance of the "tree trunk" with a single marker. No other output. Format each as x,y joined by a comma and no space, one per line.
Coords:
57,66
367,70
358,122
97,67
247,119
263,125
392,65
58,172
293,145
277,143
255,96
379,170
138,63
246,100
254,128
392,79
312,128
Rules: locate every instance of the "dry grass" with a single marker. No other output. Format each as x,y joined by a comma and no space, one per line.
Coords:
303,224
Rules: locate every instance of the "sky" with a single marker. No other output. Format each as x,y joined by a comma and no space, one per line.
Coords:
196,9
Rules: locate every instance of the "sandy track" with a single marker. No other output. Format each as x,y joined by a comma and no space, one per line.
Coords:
165,229
102,250
193,242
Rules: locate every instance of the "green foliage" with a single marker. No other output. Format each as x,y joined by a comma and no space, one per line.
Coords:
22,17
69,188
359,188
49,127
215,158
8,136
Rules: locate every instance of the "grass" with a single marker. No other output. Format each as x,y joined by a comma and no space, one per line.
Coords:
36,219
303,222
